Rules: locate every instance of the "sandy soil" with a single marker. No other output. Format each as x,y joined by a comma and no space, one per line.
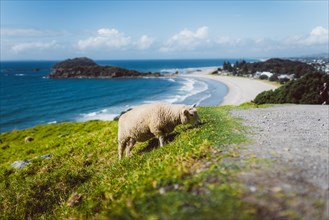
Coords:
240,89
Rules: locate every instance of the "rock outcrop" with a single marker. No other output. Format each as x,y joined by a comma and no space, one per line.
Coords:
86,68
19,164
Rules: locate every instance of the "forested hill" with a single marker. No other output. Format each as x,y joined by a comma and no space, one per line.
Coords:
274,65
302,81
305,90
83,67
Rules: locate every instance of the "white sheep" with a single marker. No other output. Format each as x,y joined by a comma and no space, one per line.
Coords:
152,120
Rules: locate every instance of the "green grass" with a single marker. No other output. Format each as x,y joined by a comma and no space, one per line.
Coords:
186,179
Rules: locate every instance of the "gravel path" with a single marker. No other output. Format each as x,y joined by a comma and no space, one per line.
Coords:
296,139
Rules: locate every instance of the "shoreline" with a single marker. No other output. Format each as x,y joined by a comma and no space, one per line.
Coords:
222,90
240,89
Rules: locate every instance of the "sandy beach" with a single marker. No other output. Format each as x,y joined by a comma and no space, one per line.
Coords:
240,89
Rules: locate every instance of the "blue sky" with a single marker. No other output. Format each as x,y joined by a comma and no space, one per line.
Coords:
162,29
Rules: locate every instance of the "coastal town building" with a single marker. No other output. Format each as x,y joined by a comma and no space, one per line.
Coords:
320,63
259,74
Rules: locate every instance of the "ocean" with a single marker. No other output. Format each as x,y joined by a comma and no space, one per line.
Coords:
28,97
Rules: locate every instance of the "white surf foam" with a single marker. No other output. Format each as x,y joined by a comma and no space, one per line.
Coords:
102,115
202,99
185,70
192,87
189,87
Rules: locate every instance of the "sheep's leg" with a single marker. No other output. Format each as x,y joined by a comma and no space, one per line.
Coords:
130,146
160,135
121,148
161,140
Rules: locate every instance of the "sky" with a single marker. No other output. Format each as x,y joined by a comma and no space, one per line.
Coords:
57,30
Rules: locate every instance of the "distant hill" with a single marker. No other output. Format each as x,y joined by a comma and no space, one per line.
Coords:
83,67
303,88
275,65
76,62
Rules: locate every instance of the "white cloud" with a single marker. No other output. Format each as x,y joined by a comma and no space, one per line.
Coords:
19,47
186,40
30,32
21,32
109,38
318,36
144,42
105,32
315,41
114,39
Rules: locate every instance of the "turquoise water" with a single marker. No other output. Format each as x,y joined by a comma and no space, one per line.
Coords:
29,98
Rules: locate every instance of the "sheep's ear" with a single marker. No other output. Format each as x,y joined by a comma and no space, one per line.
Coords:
193,106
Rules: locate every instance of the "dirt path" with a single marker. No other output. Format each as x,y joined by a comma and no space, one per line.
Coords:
295,140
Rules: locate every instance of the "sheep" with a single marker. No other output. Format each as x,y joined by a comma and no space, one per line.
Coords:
152,120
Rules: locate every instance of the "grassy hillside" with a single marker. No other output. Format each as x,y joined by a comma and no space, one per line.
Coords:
186,179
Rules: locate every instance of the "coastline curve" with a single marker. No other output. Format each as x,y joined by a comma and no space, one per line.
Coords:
240,89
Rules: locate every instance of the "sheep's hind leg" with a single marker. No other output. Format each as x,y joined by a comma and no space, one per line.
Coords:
130,146
121,148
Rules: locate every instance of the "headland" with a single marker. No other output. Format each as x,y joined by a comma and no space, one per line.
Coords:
83,67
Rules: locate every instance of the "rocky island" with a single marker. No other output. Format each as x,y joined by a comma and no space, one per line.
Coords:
83,67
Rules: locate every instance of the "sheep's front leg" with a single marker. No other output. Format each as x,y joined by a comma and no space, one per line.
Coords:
161,140
160,135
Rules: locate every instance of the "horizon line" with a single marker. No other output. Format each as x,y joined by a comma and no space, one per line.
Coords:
136,59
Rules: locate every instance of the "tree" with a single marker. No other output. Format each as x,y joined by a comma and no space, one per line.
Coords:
274,77
262,77
305,90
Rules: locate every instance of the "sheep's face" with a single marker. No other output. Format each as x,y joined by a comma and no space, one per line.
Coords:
190,116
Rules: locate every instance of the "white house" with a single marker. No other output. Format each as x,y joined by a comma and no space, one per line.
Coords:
286,76
258,74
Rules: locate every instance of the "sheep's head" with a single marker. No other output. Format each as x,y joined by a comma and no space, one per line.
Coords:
189,115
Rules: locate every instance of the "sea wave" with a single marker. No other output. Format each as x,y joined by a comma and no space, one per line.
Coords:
106,114
185,70
192,87
203,98
188,87
98,115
